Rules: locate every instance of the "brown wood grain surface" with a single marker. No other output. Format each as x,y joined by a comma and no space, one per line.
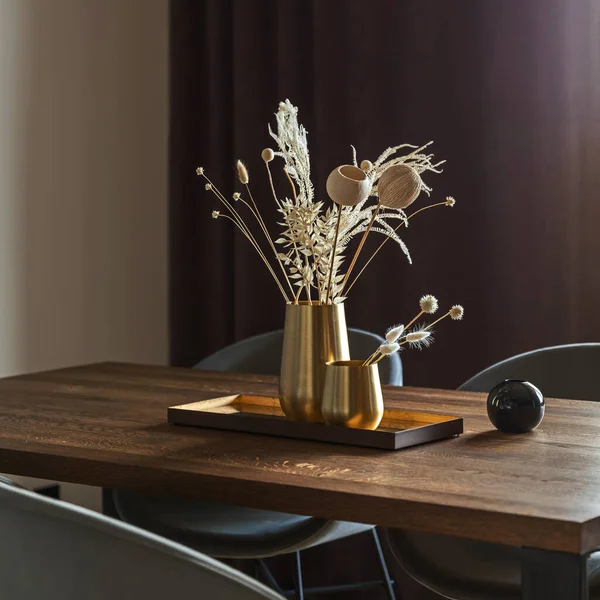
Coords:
106,425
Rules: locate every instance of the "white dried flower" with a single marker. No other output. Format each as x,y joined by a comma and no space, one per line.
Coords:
216,214
428,304
208,187
267,155
366,165
457,312
387,349
199,171
450,201
236,196
393,333
242,172
417,339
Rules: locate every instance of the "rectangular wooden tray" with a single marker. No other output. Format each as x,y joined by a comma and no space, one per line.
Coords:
258,414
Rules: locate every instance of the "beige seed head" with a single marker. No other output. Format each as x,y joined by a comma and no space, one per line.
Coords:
428,304
450,201
242,172
215,214
236,196
457,312
399,186
267,155
366,165
199,171
208,187
389,348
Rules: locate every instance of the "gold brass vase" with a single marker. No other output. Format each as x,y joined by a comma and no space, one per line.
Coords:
352,395
314,334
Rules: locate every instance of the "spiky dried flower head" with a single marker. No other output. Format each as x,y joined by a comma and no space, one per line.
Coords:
419,338
236,195
242,172
389,348
267,155
450,201
399,186
393,333
208,187
200,171
457,312
216,214
366,165
428,304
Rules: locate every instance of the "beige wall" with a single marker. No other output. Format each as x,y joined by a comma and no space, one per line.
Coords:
83,178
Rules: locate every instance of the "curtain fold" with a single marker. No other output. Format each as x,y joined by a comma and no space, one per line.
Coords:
509,92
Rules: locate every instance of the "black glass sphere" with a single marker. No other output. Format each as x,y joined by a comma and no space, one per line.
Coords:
515,406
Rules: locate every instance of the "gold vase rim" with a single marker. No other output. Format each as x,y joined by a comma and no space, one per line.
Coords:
349,364
314,303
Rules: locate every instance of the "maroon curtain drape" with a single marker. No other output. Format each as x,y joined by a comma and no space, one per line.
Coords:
509,92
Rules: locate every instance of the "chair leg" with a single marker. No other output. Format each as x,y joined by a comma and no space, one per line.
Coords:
387,580
298,577
270,579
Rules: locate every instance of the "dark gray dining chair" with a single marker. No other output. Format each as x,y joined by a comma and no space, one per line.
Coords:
227,531
463,569
51,550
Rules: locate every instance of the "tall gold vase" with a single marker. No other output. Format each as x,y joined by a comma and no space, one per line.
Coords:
313,335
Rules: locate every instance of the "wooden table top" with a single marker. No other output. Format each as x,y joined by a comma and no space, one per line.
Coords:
105,425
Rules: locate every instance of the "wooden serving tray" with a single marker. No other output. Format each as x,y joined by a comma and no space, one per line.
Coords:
259,414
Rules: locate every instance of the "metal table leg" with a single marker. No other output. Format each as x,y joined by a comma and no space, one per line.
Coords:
547,575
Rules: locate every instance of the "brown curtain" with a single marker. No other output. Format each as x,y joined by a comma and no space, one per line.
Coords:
509,92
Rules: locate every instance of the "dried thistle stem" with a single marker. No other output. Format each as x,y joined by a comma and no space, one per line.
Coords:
360,246
328,295
387,238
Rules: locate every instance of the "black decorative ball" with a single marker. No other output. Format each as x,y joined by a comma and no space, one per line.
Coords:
515,406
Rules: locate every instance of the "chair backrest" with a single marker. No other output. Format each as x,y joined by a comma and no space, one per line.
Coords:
262,354
51,550
569,371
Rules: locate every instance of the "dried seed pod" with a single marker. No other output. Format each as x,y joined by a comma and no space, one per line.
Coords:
399,186
348,185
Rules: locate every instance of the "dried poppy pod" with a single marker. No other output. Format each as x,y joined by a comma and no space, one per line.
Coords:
399,186
348,185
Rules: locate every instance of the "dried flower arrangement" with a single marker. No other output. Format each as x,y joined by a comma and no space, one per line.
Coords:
413,335
309,253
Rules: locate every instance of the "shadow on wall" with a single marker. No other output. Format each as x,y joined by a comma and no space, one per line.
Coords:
83,205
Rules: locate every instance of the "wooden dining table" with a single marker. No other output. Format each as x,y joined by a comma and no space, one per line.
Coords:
106,425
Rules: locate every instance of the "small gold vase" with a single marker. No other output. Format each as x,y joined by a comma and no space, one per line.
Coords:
352,395
314,334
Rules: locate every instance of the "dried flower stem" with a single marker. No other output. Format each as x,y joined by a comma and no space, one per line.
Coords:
411,322
387,238
272,185
263,226
335,241
437,321
360,246
244,229
367,362
260,253
378,360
